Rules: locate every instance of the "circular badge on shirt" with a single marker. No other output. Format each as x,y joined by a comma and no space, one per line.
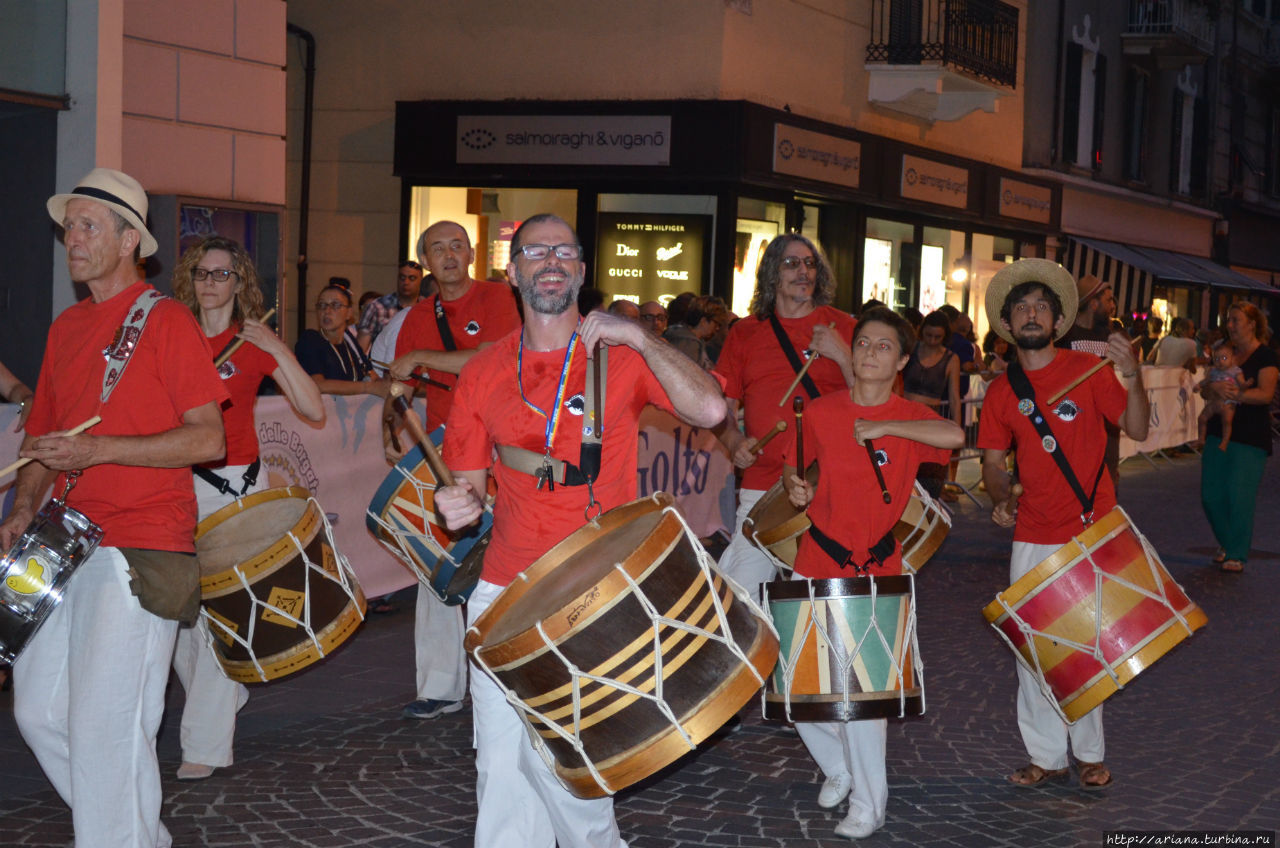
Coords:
576,404
1049,443
1026,406
472,328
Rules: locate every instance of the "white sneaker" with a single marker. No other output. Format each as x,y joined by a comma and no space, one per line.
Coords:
834,790
853,827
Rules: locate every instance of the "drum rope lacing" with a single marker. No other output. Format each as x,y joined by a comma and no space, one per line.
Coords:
577,674
343,568
850,656
1093,650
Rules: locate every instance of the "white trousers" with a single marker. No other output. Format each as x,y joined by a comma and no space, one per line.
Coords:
437,648
208,726
88,697
746,564
522,803
856,748
1044,733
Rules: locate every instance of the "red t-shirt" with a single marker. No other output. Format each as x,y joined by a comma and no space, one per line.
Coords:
848,505
1048,511
756,373
170,373
488,411
486,313
242,375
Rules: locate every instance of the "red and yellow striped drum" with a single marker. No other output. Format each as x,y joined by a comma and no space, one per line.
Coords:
1094,615
622,647
847,649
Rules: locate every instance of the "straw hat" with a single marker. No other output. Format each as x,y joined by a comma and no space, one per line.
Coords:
1047,272
117,191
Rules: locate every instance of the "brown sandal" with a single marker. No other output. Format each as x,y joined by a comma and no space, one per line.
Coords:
1033,775
1232,566
1093,775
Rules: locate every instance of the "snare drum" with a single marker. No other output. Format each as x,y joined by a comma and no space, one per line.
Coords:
1094,615
847,649
623,647
277,594
34,574
402,516
774,525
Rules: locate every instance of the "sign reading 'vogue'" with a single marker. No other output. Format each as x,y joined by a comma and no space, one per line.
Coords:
816,156
564,139
934,182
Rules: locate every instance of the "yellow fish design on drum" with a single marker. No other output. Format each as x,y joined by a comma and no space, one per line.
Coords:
29,581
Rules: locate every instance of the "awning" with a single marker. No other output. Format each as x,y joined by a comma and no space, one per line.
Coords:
1132,271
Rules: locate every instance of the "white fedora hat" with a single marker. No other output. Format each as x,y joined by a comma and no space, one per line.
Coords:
115,190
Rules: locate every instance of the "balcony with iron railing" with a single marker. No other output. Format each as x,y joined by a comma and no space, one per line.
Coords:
1179,30
941,59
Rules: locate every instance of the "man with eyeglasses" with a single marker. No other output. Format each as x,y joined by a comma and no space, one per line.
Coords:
379,312
524,397
435,338
654,316
790,321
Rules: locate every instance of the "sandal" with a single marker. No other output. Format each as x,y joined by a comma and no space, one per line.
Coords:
1219,557
1232,566
1093,775
1033,775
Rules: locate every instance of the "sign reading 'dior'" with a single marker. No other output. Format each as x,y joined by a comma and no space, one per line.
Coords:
564,139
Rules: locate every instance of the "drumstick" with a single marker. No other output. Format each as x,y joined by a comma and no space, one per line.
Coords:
791,388
390,420
411,420
1098,366
422,378
759,446
217,363
76,430
797,406
871,453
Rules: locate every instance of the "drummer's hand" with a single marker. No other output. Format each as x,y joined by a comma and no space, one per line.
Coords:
742,455
799,492
261,336
865,428
61,452
15,525
827,342
605,328
1120,351
1005,513
458,504
403,367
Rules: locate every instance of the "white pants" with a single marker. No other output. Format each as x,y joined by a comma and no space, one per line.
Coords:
437,648
1044,733
209,714
88,697
746,564
856,748
522,803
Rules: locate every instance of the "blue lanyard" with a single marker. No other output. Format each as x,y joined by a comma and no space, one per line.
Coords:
553,420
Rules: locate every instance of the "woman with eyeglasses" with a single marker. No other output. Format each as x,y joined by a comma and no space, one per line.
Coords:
217,281
331,355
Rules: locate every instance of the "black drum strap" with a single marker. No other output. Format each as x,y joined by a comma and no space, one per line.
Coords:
223,485
794,358
879,552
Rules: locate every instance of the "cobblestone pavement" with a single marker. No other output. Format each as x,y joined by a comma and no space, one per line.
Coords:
324,758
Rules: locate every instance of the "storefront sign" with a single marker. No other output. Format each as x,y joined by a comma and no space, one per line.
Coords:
816,156
934,182
564,139
1025,201
647,255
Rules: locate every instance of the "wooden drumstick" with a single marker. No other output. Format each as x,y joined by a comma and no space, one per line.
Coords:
422,378
1098,366
411,420
791,388
871,454
217,363
764,440
74,431
797,406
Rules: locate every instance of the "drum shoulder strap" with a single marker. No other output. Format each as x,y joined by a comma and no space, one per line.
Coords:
1022,387
442,323
122,348
797,364
878,553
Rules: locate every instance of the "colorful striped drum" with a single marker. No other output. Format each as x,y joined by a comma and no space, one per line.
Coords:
623,648
847,649
402,516
1104,593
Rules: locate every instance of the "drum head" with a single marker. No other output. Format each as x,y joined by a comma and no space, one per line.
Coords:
246,528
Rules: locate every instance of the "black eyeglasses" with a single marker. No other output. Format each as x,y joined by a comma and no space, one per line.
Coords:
219,275
541,251
793,262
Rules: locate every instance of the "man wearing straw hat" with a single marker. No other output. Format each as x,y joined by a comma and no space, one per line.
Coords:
89,686
1029,303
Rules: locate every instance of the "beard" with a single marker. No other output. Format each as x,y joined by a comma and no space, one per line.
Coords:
549,304
1033,341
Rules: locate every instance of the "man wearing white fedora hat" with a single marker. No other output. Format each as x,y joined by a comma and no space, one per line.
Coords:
1059,449
89,685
